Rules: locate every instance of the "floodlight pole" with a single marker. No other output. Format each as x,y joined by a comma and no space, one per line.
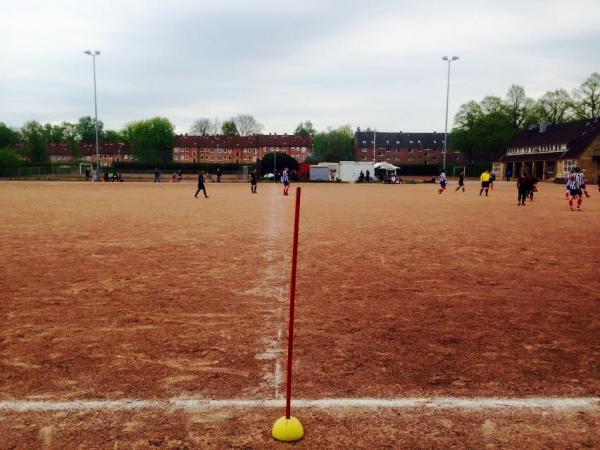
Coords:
449,59
93,55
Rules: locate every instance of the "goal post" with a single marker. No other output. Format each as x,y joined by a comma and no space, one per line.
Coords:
456,170
83,166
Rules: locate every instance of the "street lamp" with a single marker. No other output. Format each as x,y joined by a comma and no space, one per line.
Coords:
93,55
449,59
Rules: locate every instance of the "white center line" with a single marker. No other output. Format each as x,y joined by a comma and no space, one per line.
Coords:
458,403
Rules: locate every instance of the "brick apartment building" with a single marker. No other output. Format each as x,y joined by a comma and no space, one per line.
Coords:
109,152
239,149
403,148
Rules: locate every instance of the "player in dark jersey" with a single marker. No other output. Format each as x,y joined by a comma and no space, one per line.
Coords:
201,186
524,184
253,181
461,181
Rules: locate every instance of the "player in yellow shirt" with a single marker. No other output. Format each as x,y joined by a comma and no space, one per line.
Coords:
485,182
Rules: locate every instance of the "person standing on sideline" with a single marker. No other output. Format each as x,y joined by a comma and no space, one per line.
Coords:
461,181
201,186
285,179
523,187
368,176
253,181
219,173
485,183
492,180
508,174
156,175
443,182
574,188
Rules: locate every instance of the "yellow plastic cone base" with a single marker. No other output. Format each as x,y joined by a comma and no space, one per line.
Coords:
288,429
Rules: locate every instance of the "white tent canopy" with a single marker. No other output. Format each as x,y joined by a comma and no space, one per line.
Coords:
385,166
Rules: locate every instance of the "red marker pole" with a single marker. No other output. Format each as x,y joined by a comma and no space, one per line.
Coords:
288,428
292,305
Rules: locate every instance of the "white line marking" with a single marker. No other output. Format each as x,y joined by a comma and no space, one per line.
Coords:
460,403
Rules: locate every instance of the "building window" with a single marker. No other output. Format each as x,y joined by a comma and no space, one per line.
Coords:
569,164
495,167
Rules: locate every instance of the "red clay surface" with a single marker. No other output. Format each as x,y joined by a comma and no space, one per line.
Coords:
141,291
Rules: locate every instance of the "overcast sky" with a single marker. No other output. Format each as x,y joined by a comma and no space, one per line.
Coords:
375,63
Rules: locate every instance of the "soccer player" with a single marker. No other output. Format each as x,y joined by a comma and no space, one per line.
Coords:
492,180
253,181
582,174
201,186
523,186
574,188
443,182
534,182
485,183
461,181
285,179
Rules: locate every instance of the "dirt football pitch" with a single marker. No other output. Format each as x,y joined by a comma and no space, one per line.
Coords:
136,316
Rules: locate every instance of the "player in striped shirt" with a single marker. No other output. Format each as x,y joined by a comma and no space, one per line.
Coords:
574,188
582,184
443,182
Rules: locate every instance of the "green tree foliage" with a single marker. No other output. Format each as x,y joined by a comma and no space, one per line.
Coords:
334,145
282,160
305,129
86,130
9,159
36,146
229,128
586,98
152,140
555,107
112,136
520,108
8,136
482,130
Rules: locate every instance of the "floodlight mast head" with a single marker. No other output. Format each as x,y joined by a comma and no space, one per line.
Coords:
445,58
88,52
454,58
97,52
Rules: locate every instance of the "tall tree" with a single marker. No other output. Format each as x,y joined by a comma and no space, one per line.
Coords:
468,114
491,104
555,106
334,145
201,127
8,136
246,125
112,136
305,129
71,138
35,143
229,128
482,130
587,98
518,106
87,131
151,140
